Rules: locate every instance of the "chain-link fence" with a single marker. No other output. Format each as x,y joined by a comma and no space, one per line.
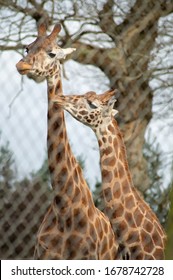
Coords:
125,45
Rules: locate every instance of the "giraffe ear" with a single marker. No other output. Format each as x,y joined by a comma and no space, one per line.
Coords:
111,104
111,101
114,112
62,54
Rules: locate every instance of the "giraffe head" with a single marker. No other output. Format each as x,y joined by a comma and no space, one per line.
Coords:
90,109
43,55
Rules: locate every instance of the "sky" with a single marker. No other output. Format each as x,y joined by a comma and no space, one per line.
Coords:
25,124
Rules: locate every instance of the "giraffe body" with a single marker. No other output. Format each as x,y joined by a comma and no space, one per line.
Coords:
73,228
136,227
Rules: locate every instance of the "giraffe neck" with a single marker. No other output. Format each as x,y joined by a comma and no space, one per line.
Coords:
66,175
54,84
135,225
57,142
119,195
113,159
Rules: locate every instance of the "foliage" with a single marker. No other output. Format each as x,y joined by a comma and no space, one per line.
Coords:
23,202
97,195
7,167
43,172
158,194
81,161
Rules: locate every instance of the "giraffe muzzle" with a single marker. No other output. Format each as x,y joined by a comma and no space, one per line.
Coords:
23,67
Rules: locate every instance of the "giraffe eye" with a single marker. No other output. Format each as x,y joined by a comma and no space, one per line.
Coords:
52,55
26,50
92,106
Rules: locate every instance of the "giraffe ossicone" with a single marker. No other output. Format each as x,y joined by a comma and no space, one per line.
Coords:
73,228
137,229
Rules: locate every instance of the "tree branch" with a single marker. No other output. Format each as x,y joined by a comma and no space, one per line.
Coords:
106,20
87,54
37,12
12,48
141,9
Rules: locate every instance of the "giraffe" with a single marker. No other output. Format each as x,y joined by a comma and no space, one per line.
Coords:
73,228
138,231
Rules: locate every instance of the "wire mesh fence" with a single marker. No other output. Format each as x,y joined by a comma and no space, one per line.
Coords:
127,46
